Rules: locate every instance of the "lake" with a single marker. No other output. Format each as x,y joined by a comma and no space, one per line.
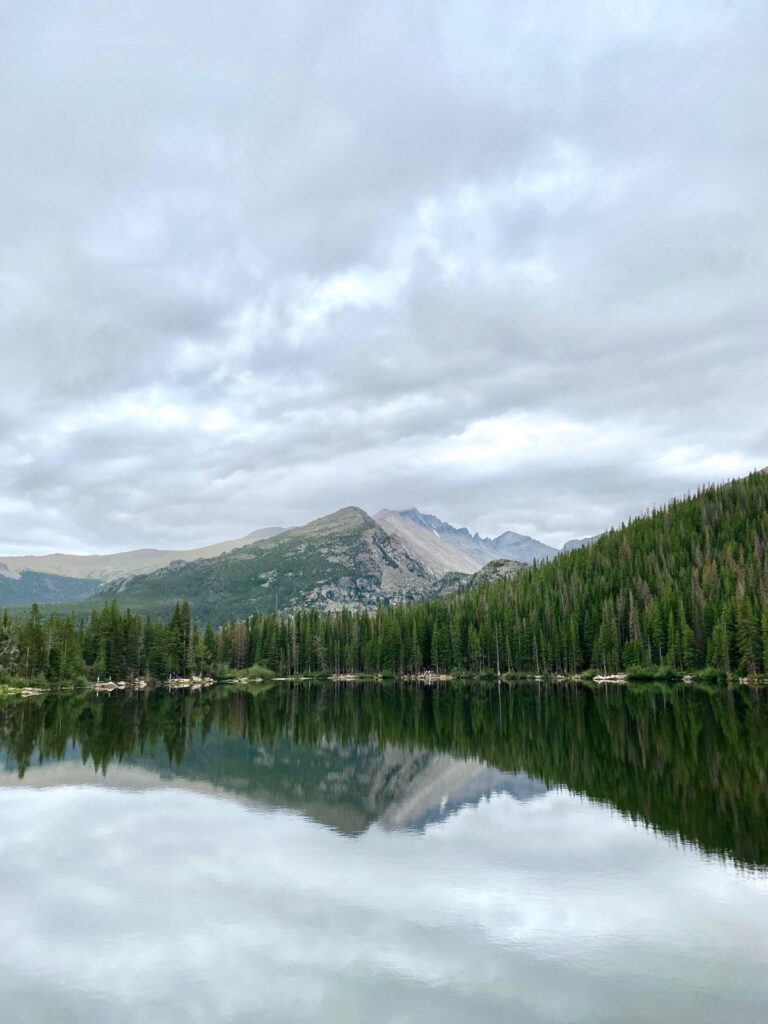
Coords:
385,853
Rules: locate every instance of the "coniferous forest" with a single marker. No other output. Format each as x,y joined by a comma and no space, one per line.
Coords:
683,588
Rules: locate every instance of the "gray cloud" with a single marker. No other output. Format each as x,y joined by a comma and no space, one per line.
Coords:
504,263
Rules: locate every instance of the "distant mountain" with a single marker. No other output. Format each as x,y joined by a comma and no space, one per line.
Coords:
480,550
437,555
344,559
583,542
121,563
20,588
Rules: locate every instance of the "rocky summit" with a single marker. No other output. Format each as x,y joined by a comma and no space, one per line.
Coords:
480,550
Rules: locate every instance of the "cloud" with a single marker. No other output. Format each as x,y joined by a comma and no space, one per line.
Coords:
504,263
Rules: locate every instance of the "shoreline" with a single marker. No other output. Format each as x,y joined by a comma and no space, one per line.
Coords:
196,684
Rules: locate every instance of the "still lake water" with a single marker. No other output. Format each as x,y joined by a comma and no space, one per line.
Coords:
385,853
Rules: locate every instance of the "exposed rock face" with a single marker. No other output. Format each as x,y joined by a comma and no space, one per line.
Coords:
479,549
438,556
500,568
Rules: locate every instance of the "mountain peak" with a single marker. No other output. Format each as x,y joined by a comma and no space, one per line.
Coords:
436,554
480,550
347,518
264,533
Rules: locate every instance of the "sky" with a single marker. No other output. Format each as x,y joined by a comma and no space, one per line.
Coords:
503,261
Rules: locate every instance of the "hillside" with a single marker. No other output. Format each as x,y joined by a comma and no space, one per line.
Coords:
117,565
578,542
20,588
438,555
344,559
499,569
508,545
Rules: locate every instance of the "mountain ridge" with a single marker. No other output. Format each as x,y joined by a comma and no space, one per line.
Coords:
344,559
510,545
133,562
436,554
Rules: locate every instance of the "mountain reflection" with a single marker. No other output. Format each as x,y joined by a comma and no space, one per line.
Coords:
687,761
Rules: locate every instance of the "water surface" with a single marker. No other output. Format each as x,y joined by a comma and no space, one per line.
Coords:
385,853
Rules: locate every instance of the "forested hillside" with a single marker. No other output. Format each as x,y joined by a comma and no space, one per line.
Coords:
26,587
685,587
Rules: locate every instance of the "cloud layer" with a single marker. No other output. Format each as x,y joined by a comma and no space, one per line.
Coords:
505,262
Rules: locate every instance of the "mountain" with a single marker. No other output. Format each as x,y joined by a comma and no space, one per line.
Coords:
326,564
347,559
20,588
509,545
119,564
437,555
344,559
578,542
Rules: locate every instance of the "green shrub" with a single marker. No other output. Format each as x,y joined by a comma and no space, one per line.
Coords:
709,675
260,672
12,682
652,673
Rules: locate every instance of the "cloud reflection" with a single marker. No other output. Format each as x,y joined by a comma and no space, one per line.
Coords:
175,906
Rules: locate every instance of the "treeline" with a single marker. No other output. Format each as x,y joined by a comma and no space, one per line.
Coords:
685,587
109,644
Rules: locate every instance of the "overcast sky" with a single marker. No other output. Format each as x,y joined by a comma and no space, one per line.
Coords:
503,261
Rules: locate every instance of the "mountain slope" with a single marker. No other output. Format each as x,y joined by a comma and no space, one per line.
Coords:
498,569
578,542
437,555
344,559
509,545
435,558
20,588
121,563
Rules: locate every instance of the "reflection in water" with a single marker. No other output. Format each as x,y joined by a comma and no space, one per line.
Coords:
689,762
458,880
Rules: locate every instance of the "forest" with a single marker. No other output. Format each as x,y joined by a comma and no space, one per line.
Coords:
681,589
